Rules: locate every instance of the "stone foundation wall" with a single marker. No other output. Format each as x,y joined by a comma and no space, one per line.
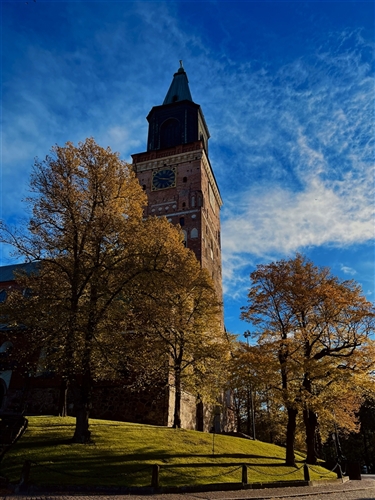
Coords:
42,401
117,403
188,409
154,406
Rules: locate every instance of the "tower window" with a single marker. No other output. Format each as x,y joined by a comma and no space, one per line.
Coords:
170,133
144,187
194,233
182,221
184,179
185,238
183,205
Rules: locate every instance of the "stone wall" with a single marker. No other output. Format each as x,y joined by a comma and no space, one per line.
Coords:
153,406
188,409
117,403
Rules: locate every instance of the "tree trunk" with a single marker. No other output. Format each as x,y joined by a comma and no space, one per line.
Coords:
290,437
82,433
63,395
82,406
84,393
177,401
311,424
248,428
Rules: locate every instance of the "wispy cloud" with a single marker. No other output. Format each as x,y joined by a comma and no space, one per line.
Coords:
348,270
308,160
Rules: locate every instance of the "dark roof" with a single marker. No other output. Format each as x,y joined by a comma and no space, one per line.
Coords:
7,272
179,89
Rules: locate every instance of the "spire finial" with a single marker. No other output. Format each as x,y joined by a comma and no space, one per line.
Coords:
179,89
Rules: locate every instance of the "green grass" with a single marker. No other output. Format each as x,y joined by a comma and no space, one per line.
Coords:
122,454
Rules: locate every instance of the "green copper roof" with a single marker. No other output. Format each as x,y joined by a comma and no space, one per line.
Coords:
179,89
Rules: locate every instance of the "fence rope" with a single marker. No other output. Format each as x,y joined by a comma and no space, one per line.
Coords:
182,474
179,473
320,473
275,475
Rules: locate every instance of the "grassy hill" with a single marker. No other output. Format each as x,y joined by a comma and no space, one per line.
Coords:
122,454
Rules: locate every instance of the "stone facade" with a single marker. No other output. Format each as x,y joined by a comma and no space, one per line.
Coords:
193,201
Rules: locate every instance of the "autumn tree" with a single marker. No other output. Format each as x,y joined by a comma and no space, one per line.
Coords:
317,328
96,254
256,403
182,314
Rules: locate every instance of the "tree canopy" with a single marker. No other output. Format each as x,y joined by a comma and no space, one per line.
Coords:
317,329
97,259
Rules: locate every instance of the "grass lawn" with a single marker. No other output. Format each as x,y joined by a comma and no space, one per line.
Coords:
122,454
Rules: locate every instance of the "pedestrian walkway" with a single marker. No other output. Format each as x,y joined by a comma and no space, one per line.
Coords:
350,490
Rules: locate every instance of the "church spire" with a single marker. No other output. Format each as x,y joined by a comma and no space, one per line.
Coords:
179,88
178,120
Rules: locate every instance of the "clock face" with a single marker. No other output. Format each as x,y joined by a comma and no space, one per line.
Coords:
163,179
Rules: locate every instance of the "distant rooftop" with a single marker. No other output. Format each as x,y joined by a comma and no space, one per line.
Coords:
7,272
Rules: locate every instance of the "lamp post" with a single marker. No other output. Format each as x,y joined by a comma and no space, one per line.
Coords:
247,335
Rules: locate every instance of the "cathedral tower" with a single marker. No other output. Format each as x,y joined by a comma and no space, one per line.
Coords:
177,176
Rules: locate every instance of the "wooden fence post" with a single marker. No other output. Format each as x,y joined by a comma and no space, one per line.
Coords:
244,474
155,476
306,472
25,474
339,471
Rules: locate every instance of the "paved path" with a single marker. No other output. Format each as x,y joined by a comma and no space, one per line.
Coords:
351,490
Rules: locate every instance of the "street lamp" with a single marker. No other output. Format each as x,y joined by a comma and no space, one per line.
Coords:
247,335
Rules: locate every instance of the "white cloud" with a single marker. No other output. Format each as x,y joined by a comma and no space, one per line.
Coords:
302,148
269,219
348,270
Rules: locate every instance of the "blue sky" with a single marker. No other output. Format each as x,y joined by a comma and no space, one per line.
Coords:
287,90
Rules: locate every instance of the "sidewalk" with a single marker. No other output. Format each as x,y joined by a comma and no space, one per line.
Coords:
350,490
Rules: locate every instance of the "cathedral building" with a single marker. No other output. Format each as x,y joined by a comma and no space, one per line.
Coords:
177,176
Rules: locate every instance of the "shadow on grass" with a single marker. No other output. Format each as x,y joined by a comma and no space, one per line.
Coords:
43,444
143,455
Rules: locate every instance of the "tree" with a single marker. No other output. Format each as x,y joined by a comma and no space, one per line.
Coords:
257,407
96,255
318,329
182,314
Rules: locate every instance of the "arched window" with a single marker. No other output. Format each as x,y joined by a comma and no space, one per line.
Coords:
170,133
194,233
185,237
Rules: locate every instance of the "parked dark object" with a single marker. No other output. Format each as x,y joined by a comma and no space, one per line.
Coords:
353,470
11,429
